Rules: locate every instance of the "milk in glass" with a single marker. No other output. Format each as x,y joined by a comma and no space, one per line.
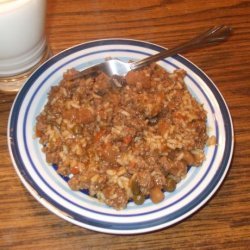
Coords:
22,36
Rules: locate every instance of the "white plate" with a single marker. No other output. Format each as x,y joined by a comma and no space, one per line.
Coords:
52,190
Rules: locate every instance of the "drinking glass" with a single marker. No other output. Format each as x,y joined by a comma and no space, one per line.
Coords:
23,44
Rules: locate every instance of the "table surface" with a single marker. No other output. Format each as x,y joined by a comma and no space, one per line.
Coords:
224,222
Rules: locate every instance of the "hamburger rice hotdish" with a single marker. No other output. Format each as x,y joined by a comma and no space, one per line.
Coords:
124,144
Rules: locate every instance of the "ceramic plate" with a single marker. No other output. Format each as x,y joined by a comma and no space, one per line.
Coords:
52,191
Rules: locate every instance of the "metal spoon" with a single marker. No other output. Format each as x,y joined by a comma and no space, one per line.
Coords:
116,68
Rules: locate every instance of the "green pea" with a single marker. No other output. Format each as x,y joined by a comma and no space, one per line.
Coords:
139,199
170,185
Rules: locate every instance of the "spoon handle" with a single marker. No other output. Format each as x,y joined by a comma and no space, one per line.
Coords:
212,36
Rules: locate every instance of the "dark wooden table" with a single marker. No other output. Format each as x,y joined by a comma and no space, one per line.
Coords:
224,222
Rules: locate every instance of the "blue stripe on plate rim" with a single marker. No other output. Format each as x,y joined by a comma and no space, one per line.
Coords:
116,227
